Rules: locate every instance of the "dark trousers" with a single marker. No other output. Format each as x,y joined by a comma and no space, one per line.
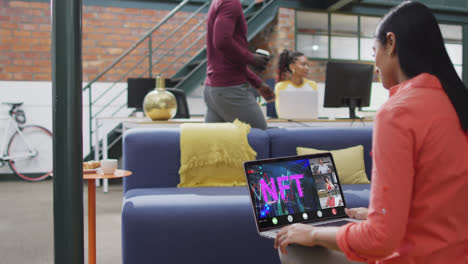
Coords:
225,104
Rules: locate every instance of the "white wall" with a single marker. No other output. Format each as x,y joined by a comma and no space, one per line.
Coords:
37,98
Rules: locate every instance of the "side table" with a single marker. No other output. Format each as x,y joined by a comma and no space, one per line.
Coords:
92,177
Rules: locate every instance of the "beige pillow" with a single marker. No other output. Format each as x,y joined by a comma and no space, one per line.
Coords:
349,163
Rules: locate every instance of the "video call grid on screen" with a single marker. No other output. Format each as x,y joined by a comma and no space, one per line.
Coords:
296,189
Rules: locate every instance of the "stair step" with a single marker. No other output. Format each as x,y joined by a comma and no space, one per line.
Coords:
246,3
173,81
249,15
117,130
193,73
194,64
111,144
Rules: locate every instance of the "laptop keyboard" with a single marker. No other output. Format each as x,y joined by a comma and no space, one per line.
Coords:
270,234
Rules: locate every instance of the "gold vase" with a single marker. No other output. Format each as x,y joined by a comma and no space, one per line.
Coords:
160,104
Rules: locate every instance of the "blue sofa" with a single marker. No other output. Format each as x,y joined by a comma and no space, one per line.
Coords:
165,224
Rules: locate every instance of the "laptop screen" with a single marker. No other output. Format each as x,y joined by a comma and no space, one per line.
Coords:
294,189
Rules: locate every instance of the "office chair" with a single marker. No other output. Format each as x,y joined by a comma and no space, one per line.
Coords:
182,107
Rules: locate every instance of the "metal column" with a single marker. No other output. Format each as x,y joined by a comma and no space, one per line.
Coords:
67,130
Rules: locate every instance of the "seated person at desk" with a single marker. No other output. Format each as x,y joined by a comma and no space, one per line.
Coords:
293,68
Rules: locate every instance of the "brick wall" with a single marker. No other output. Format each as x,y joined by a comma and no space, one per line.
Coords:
278,35
25,40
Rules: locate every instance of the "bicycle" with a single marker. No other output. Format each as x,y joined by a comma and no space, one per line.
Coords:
29,149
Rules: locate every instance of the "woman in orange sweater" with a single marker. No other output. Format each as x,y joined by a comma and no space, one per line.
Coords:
417,211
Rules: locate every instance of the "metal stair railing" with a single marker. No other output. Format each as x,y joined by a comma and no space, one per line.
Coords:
254,25
252,4
149,70
103,95
95,113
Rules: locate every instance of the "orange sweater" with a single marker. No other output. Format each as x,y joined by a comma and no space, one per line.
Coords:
418,209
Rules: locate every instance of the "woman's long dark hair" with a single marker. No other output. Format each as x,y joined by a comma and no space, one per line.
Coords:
285,59
420,49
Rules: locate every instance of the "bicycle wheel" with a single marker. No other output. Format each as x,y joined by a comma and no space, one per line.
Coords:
31,153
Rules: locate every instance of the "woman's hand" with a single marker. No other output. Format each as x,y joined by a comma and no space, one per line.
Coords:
359,213
295,234
306,235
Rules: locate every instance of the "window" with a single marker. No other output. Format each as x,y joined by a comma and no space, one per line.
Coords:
344,37
313,46
452,35
335,36
326,36
366,37
312,36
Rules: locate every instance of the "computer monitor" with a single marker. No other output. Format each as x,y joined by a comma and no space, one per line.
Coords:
137,90
348,85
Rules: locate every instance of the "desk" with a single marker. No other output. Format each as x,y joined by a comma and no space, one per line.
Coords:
92,177
273,122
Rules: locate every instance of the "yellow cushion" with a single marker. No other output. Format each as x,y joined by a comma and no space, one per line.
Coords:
349,163
212,154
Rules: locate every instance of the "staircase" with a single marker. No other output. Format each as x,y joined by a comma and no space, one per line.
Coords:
193,73
147,59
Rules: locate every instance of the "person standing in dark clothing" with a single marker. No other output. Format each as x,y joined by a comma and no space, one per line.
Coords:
228,91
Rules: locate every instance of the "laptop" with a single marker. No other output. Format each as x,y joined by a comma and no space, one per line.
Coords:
298,104
290,190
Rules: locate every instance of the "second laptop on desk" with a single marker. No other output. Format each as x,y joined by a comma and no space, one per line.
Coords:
298,104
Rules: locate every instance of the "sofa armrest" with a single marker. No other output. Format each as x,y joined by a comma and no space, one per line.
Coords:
153,155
